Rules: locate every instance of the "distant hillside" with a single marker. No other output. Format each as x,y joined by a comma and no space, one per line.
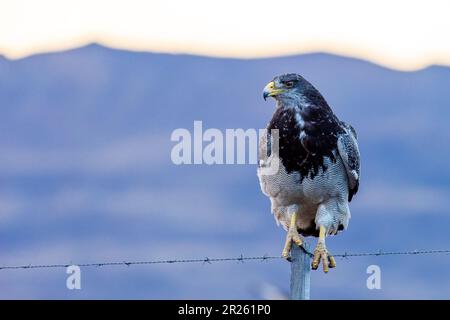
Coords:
85,171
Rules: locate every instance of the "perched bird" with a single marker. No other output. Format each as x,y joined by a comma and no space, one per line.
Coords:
316,161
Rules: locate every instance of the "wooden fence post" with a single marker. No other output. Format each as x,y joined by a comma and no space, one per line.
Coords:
300,272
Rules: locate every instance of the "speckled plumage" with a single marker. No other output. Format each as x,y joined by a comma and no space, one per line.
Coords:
319,166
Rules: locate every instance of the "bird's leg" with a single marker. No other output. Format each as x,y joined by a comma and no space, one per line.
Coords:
292,236
321,253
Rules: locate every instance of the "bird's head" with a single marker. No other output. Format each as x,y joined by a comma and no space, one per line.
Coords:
286,87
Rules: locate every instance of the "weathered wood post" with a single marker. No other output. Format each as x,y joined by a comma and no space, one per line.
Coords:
300,272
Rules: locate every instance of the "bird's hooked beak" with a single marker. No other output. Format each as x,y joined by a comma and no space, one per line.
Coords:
270,90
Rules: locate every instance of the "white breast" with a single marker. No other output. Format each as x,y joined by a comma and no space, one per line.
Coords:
288,188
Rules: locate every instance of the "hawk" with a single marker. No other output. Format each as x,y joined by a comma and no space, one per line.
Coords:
317,163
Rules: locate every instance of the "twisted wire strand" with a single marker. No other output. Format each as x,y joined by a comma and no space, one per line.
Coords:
208,260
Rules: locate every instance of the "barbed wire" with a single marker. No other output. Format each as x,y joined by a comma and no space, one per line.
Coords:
208,260
205,260
391,253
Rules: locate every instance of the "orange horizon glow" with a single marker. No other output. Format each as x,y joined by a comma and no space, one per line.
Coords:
404,35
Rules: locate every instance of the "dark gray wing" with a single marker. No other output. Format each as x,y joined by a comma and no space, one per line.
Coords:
349,152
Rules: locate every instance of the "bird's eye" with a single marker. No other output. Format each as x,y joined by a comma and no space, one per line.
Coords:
289,84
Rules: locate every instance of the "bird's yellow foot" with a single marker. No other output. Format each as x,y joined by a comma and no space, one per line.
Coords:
292,237
321,255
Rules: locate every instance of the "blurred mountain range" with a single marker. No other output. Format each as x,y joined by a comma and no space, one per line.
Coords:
86,175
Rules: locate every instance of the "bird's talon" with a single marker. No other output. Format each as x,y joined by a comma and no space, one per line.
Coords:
332,261
292,237
321,255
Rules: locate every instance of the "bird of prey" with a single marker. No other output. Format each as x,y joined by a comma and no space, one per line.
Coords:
318,168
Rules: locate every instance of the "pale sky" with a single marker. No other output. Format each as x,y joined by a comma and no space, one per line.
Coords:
400,34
